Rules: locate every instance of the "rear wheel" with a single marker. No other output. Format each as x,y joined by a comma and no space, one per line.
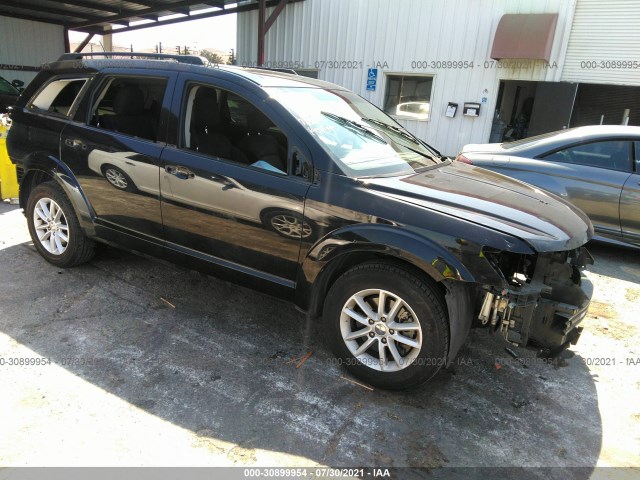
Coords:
54,227
387,325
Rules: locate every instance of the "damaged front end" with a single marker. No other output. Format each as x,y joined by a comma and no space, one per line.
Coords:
542,299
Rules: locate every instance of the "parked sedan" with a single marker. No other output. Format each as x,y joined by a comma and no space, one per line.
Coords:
596,168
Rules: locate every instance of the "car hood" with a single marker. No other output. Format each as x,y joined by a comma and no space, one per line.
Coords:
544,221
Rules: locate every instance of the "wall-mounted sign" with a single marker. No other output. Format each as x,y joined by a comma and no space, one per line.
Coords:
372,79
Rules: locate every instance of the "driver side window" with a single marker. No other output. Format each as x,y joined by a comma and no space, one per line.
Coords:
610,154
224,125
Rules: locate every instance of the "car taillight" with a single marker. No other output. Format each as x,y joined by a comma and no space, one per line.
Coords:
463,159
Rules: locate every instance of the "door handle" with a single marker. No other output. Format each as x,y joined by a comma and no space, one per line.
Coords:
73,143
181,172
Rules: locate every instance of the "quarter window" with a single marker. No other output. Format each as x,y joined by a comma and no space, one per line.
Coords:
130,105
611,154
59,95
224,125
408,96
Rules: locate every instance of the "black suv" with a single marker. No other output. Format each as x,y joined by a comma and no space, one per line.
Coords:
302,189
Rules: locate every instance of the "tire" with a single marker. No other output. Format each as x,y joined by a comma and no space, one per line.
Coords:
420,319
289,224
118,179
48,198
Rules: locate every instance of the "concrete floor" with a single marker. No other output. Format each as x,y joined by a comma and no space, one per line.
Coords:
133,381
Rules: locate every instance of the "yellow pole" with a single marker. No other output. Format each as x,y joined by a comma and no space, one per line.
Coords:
8,178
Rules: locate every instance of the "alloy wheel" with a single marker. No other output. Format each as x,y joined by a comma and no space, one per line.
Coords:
381,330
51,226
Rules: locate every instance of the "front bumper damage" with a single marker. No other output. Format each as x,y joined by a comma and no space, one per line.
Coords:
544,298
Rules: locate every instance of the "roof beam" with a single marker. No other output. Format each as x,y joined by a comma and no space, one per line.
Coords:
194,16
174,7
33,18
144,3
83,43
95,6
274,15
30,7
165,8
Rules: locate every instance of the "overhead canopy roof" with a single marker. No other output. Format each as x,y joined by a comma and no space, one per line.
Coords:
97,16
525,36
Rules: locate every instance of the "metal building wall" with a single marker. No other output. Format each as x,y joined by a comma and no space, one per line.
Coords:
24,42
400,32
603,34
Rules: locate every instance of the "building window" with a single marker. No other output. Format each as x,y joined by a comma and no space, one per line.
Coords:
408,96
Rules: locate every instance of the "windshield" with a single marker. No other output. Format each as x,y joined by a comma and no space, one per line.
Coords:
525,142
362,139
7,89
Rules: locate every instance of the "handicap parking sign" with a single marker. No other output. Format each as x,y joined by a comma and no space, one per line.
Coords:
372,79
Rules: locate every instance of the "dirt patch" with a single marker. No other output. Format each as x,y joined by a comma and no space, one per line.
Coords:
632,295
242,455
599,310
604,320
203,440
612,328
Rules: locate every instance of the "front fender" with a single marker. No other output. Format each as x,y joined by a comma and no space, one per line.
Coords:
455,263
437,255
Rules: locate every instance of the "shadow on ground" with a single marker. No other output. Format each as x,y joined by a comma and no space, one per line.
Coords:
218,365
618,262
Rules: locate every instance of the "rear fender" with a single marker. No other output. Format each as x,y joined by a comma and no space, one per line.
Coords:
53,167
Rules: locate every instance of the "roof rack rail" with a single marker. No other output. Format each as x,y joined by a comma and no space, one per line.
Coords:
274,69
190,59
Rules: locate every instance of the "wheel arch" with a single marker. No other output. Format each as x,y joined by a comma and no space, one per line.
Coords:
332,257
42,168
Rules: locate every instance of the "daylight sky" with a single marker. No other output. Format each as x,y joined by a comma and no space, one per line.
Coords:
217,33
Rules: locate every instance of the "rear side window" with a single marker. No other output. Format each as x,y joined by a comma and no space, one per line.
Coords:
610,154
221,124
59,96
130,105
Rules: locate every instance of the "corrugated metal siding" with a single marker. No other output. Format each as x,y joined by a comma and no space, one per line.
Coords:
604,31
399,33
23,42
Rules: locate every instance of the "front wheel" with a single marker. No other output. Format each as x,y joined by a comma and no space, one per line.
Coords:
387,325
54,227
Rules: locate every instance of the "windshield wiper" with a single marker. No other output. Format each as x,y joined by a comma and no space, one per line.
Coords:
354,127
407,135
393,128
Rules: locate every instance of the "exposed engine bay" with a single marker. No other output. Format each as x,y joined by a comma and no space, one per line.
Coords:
542,301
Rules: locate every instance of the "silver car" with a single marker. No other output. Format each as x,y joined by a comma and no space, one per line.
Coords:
597,168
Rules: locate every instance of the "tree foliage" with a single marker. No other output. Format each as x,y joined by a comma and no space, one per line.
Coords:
213,57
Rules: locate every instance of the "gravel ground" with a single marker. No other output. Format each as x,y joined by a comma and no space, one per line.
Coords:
149,364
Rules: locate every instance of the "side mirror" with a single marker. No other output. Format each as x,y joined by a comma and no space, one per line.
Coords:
17,83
